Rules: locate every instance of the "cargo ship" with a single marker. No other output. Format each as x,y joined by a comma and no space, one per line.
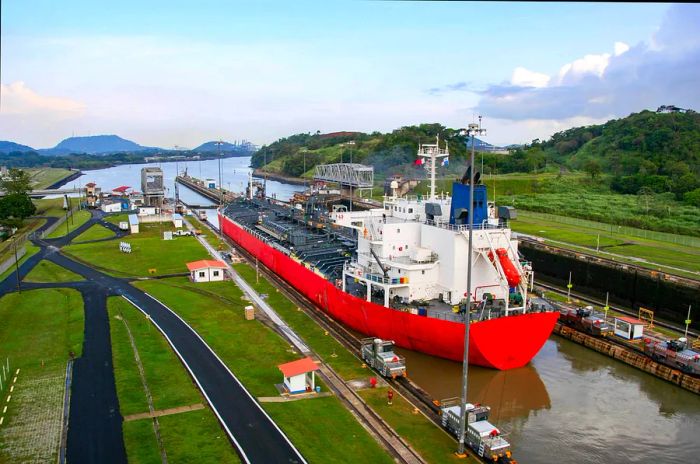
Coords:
399,271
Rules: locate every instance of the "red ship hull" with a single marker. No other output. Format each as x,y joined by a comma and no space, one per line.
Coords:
502,343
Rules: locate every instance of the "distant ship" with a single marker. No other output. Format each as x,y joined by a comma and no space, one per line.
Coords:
399,272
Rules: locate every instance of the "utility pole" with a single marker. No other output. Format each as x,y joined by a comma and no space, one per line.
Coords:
19,287
687,322
221,187
568,289
472,131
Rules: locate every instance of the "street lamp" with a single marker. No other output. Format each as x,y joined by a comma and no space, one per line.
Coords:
221,187
472,131
14,246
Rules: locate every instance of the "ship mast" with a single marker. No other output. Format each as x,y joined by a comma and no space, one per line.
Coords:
428,156
473,130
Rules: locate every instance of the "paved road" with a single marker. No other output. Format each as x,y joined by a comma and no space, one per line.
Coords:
256,436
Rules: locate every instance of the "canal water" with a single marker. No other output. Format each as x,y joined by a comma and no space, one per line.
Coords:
234,174
569,405
574,405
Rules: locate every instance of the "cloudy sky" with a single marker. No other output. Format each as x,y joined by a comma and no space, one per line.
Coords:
179,73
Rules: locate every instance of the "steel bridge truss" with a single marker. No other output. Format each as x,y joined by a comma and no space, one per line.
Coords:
350,174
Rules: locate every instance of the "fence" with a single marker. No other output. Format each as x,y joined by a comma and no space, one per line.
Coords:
686,240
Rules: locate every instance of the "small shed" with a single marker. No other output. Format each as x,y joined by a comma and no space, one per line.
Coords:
177,220
206,270
133,224
629,327
299,375
148,210
111,206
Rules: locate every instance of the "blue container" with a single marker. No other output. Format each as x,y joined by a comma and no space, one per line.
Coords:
318,389
422,311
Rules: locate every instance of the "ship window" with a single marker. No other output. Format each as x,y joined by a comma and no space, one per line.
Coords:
410,210
398,231
423,271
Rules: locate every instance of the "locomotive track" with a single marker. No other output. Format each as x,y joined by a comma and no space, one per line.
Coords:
628,312
415,395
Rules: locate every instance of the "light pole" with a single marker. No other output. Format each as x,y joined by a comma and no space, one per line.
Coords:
221,187
473,130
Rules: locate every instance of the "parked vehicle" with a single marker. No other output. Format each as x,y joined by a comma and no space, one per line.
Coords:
674,353
587,320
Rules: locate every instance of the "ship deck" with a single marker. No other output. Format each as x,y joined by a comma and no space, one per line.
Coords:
304,234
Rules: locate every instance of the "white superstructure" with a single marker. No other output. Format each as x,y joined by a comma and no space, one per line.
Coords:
408,251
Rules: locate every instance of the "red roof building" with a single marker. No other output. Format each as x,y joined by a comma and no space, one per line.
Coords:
299,375
206,270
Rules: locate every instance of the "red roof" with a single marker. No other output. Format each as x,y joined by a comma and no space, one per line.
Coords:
630,320
121,189
300,366
205,263
91,184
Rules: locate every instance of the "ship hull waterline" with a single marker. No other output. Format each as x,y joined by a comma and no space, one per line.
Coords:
502,343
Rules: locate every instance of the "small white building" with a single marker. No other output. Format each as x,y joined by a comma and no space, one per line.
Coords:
148,210
210,183
177,220
133,224
206,270
111,206
629,327
299,375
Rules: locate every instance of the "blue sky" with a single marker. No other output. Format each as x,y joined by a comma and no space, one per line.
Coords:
179,73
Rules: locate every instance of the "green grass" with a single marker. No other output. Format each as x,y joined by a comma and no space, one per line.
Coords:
252,352
149,251
167,380
117,218
42,325
433,443
344,363
658,252
196,437
49,207
307,423
78,219
217,315
95,232
46,271
140,442
42,178
208,235
31,251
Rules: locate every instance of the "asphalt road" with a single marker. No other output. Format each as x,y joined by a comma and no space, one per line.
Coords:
95,422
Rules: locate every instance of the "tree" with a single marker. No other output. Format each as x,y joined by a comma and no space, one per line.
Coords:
592,167
18,181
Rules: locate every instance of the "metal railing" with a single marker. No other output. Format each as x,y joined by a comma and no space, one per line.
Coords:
463,227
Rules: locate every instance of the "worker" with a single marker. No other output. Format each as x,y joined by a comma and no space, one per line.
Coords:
373,382
390,396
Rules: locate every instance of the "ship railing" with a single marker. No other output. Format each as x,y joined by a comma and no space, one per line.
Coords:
464,227
357,271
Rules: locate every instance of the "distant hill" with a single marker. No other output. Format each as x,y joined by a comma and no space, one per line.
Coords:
96,144
389,153
9,147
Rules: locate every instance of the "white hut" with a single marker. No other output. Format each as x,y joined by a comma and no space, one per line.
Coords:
206,270
299,375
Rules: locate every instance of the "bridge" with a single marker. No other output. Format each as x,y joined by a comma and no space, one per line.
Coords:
346,174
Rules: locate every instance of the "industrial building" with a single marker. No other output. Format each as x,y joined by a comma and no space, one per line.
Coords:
152,186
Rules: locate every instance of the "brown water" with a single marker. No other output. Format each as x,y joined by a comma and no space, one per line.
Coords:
573,405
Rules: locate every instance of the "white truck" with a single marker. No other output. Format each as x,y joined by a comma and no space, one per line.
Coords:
379,354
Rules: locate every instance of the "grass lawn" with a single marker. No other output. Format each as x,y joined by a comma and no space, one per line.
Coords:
41,325
346,442
42,178
117,218
49,207
95,232
658,252
31,251
167,379
38,331
433,443
344,363
140,441
46,271
252,352
78,219
7,246
149,251
208,235
195,436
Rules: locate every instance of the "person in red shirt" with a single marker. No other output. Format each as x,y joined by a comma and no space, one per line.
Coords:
390,395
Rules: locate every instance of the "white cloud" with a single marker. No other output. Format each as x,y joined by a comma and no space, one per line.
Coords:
18,99
525,78
630,79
